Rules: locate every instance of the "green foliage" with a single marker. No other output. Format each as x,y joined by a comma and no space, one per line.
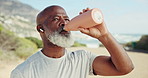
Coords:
1,53
1,28
101,45
26,48
12,46
77,44
131,44
8,40
5,31
142,43
36,41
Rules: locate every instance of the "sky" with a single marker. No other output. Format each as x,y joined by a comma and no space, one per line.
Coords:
121,16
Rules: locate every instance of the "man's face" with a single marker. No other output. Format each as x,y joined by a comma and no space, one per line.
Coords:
53,26
56,19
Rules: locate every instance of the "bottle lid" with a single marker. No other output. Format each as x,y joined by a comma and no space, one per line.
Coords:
97,16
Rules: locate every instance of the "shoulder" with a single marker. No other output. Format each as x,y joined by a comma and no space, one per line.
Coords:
27,63
16,74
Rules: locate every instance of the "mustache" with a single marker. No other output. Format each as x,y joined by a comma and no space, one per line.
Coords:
61,28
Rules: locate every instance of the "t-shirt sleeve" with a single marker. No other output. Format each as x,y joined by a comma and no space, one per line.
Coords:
16,74
92,56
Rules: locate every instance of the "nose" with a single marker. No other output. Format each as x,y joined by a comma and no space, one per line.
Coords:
63,22
62,26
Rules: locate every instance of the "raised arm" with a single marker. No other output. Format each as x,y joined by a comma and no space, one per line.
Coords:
118,63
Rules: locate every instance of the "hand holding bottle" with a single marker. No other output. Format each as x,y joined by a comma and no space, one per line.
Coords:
95,31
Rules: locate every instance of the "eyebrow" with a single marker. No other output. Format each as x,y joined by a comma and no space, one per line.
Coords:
59,16
55,16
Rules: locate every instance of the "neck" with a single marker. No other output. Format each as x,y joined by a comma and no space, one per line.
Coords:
54,51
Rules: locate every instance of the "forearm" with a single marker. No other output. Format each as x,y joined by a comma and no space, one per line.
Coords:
119,57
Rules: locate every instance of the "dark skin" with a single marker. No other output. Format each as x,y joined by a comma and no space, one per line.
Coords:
118,63
54,18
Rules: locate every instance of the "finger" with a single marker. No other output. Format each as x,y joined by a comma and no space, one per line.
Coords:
87,8
84,10
80,13
83,30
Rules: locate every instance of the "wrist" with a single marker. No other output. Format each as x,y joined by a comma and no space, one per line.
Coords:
104,37
108,40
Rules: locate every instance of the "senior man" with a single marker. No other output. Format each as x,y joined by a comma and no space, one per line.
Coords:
54,61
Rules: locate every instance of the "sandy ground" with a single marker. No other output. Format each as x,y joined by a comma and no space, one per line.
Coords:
139,60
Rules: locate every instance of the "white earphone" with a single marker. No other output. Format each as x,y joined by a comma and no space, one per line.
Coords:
41,30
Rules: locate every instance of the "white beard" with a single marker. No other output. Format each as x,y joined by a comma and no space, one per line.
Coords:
61,40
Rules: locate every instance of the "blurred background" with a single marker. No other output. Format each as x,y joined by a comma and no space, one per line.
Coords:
127,20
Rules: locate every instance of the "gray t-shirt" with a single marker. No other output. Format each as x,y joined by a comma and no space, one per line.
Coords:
76,64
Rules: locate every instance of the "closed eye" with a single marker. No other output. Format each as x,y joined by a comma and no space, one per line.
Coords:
56,18
67,19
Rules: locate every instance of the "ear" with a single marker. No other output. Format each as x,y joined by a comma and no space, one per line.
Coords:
40,28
